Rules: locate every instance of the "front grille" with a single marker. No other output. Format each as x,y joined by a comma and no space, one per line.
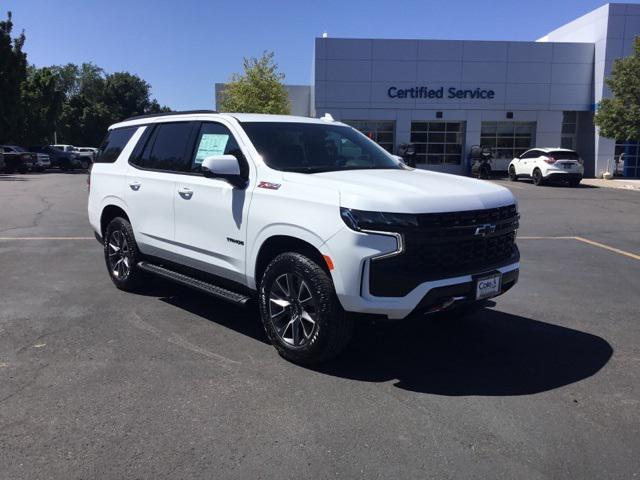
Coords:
447,245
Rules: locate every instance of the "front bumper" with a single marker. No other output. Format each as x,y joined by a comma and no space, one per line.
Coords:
351,253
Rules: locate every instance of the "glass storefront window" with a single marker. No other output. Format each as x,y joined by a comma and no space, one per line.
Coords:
569,130
631,151
380,131
438,143
508,140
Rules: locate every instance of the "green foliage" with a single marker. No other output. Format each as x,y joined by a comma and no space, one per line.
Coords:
619,117
97,100
258,90
13,71
41,106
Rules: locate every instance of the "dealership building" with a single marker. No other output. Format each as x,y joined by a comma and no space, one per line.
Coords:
446,96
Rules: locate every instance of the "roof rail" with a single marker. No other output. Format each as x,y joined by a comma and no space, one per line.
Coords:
166,114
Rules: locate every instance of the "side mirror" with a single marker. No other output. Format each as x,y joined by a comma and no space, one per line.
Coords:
225,167
399,158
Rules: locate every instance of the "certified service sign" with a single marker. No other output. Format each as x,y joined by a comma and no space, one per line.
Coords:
450,93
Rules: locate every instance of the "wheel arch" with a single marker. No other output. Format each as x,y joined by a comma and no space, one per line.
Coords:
277,244
109,212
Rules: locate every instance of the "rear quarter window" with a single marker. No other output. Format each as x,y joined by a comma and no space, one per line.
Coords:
114,143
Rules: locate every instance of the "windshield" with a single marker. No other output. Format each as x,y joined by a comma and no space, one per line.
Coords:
18,149
313,147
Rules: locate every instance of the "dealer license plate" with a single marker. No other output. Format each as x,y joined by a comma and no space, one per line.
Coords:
488,286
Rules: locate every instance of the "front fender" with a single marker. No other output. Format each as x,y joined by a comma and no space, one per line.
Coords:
273,230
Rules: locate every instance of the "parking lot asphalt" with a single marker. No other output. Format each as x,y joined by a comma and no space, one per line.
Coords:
98,383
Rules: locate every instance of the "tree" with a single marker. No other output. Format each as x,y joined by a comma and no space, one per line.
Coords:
13,71
97,100
258,90
42,102
619,117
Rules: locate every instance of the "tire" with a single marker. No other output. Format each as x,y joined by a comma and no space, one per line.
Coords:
121,255
512,174
84,164
537,177
574,183
301,312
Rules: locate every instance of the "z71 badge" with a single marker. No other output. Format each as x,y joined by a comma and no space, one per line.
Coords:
269,185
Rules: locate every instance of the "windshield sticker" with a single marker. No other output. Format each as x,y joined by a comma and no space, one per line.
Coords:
211,144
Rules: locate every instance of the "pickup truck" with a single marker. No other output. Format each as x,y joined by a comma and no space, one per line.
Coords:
17,159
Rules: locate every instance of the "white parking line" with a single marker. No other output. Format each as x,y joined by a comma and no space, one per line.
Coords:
588,242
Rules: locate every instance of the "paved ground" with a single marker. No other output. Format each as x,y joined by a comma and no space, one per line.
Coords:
96,383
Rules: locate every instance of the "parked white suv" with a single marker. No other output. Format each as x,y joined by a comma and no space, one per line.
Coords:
308,216
548,165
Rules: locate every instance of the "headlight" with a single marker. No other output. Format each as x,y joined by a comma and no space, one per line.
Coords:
381,221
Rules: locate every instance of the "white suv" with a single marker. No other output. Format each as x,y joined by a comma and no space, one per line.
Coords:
548,165
308,216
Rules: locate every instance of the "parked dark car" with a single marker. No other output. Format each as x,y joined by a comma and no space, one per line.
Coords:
17,159
63,160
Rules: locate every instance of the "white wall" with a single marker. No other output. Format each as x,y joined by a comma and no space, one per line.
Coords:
612,28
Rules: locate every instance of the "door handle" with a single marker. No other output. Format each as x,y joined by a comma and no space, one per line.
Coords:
185,193
135,186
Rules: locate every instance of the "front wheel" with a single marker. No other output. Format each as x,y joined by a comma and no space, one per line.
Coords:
121,255
537,177
300,310
512,174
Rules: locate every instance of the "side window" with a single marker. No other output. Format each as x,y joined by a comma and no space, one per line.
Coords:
166,147
216,139
114,143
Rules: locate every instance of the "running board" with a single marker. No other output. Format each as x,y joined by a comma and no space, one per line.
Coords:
209,288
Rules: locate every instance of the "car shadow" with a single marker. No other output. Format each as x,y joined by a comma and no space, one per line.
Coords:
563,185
489,353
245,321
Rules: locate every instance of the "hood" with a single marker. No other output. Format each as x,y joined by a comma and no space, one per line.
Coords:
408,191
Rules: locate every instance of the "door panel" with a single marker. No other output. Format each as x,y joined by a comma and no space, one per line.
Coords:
210,214
210,225
149,197
151,178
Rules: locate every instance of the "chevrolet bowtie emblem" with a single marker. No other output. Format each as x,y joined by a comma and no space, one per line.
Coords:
484,230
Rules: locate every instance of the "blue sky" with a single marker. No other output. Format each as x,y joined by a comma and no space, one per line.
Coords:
183,47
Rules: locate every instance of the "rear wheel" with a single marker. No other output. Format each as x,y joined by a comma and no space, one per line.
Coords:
121,255
84,164
300,310
512,174
537,177
574,183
